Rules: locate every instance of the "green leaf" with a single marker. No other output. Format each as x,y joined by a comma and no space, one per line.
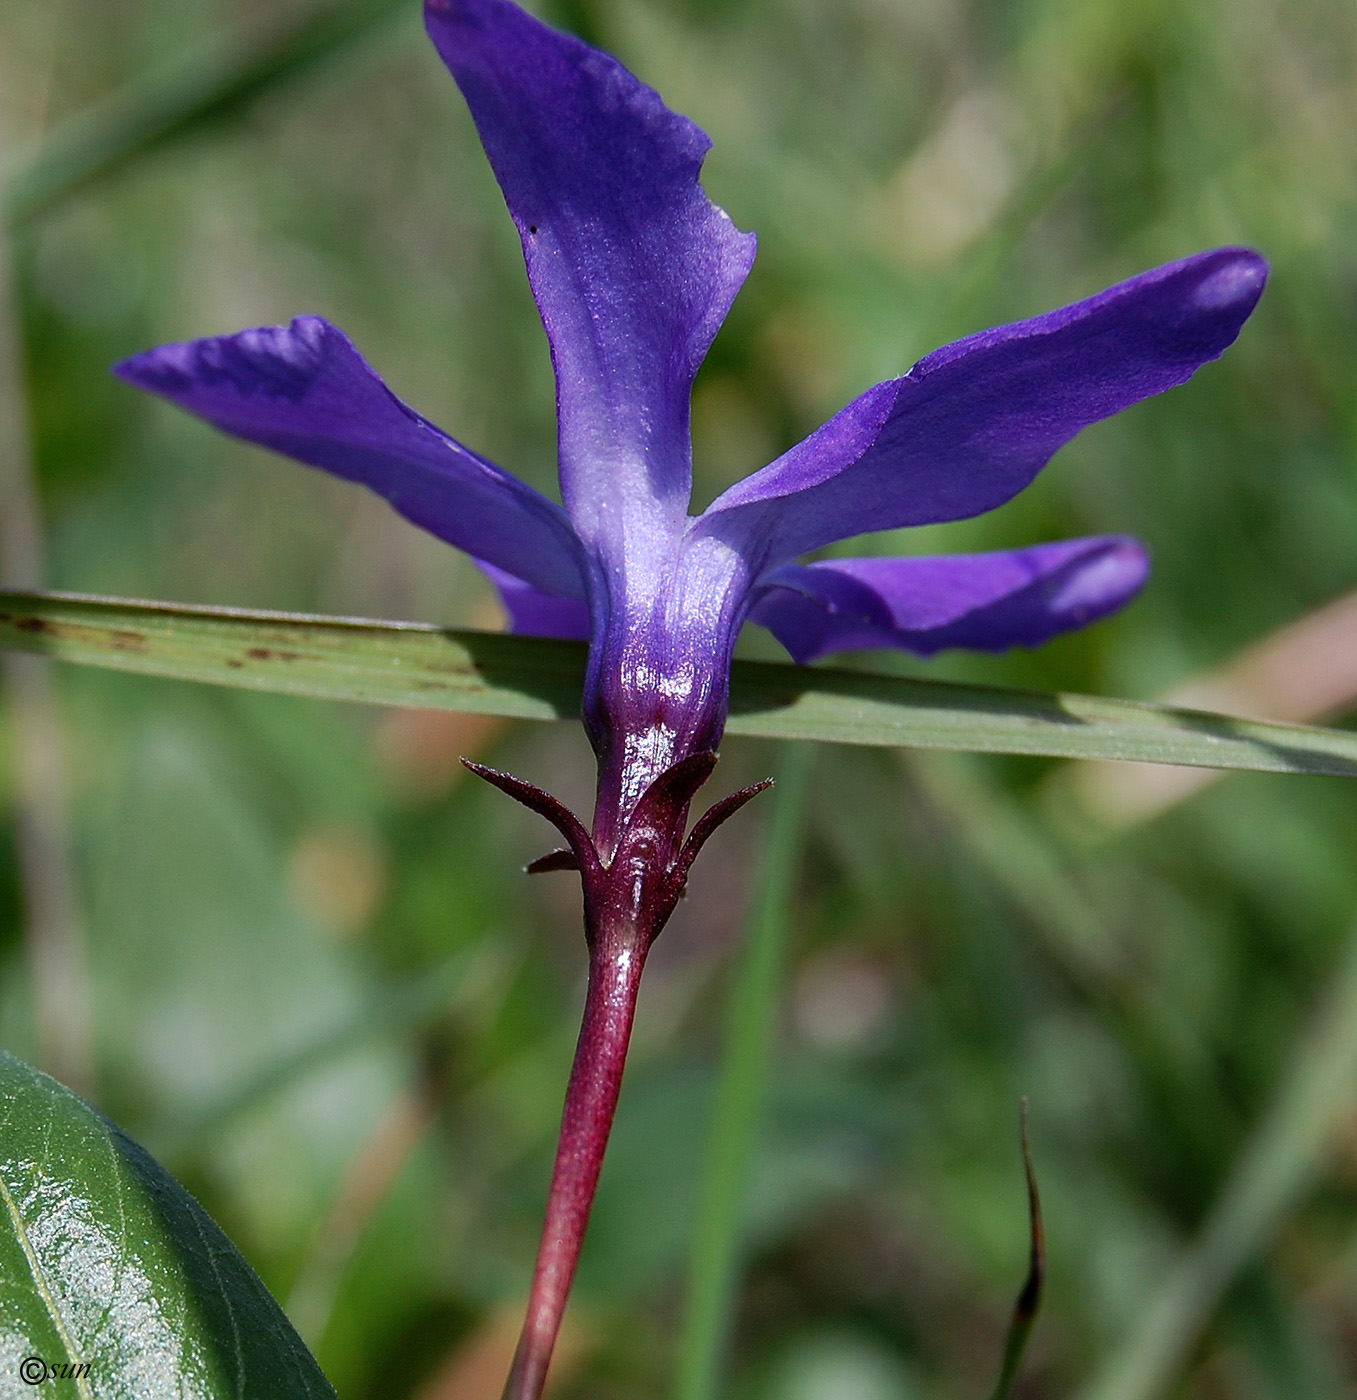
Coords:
407,663
107,1263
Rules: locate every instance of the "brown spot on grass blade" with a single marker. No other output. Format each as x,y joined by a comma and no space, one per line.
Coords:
274,654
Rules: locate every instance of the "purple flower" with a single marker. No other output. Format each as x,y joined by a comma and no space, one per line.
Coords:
634,270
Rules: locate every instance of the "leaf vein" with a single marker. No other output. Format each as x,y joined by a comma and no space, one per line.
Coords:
230,1306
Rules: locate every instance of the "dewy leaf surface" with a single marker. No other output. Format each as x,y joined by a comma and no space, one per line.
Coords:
106,1261
405,663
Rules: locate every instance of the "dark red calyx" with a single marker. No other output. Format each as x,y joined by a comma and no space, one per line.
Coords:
638,888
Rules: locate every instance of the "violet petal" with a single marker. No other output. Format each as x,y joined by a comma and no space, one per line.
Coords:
986,602
304,390
533,613
633,268
971,424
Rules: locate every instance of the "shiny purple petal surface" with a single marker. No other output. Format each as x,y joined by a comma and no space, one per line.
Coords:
633,268
985,602
303,390
533,613
971,424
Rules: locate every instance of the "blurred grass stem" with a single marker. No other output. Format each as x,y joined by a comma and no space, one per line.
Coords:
61,993
366,1185
202,90
1029,1299
741,1095
1002,839
1281,1159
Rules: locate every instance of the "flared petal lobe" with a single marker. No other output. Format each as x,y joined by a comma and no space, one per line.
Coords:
303,390
633,268
971,424
984,602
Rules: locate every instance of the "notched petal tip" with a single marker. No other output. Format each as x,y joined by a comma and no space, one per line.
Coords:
505,58
1218,292
270,361
1236,284
1105,580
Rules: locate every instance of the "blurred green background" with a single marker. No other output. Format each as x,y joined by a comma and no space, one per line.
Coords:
319,987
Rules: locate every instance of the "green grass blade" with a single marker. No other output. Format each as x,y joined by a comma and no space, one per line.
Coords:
742,1091
403,663
1281,1159
327,658
210,86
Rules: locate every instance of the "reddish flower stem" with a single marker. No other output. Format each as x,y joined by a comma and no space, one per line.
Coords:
627,899
615,962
